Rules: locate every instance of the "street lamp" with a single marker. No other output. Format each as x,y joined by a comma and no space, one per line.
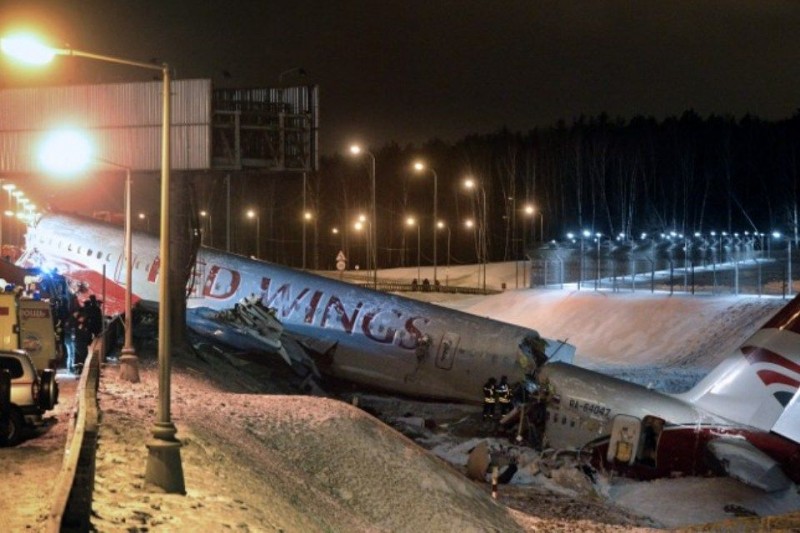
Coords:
146,219
419,166
8,187
471,185
68,152
441,225
307,216
163,461
358,150
411,222
359,226
530,211
252,213
207,216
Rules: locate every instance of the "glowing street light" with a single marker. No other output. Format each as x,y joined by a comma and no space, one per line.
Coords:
163,461
308,216
441,225
68,152
252,213
419,166
358,150
206,215
471,185
411,222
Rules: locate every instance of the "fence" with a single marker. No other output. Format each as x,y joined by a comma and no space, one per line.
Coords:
743,269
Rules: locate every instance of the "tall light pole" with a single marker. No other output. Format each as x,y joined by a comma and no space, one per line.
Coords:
471,185
8,187
128,361
441,225
357,150
307,216
359,226
163,463
411,222
419,166
69,152
18,197
206,215
252,213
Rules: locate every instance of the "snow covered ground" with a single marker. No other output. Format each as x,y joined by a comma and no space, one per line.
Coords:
256,459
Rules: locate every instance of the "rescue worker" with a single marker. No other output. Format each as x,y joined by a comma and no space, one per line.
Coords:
489,399
83,338
70,325
504,395
94,316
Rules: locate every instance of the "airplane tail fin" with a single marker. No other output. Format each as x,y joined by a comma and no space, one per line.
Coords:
758,381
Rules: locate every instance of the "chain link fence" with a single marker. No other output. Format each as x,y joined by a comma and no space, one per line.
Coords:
722,268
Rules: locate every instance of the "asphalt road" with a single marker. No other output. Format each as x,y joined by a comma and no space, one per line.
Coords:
28,471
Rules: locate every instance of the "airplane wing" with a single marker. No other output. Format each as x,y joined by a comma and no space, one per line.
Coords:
250,326
743,461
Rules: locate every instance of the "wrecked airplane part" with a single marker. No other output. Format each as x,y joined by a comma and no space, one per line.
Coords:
739,420
380,340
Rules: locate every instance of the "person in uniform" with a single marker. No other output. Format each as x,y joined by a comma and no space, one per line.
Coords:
504,395
489,400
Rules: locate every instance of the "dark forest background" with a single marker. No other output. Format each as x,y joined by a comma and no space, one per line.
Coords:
617,177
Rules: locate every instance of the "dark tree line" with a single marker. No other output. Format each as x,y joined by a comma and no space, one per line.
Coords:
617,177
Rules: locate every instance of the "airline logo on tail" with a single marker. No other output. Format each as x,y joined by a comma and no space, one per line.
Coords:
776,372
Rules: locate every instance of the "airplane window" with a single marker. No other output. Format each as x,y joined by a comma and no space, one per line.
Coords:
563,420
79,249
572,422
99,254
89,252
147,266
108,256
69,247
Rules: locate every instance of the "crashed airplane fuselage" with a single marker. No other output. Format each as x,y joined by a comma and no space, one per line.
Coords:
369,337
742,419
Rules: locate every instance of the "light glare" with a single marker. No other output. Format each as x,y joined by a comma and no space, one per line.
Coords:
27,48
65,152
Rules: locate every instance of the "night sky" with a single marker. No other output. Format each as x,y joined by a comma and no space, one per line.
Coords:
413,70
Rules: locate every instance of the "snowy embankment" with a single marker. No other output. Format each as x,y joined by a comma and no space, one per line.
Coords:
254,460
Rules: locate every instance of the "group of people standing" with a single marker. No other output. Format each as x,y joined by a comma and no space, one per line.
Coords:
495,394
80,328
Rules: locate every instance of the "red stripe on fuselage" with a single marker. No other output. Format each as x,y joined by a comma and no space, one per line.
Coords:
755,354
770,377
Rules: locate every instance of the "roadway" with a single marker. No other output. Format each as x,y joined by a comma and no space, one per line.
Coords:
28,471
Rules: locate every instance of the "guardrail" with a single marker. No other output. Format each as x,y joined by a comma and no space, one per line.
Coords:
72,496
389,286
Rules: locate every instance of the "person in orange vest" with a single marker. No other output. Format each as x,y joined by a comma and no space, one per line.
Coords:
489,400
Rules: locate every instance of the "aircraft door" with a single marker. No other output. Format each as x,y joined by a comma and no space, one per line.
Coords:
447,351
624,440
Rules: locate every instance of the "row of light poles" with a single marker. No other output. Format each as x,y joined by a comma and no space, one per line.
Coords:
23,208
469,183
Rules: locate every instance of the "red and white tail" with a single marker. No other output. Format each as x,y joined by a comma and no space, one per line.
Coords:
758,382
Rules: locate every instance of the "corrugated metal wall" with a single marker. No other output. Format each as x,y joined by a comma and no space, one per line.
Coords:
124,120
